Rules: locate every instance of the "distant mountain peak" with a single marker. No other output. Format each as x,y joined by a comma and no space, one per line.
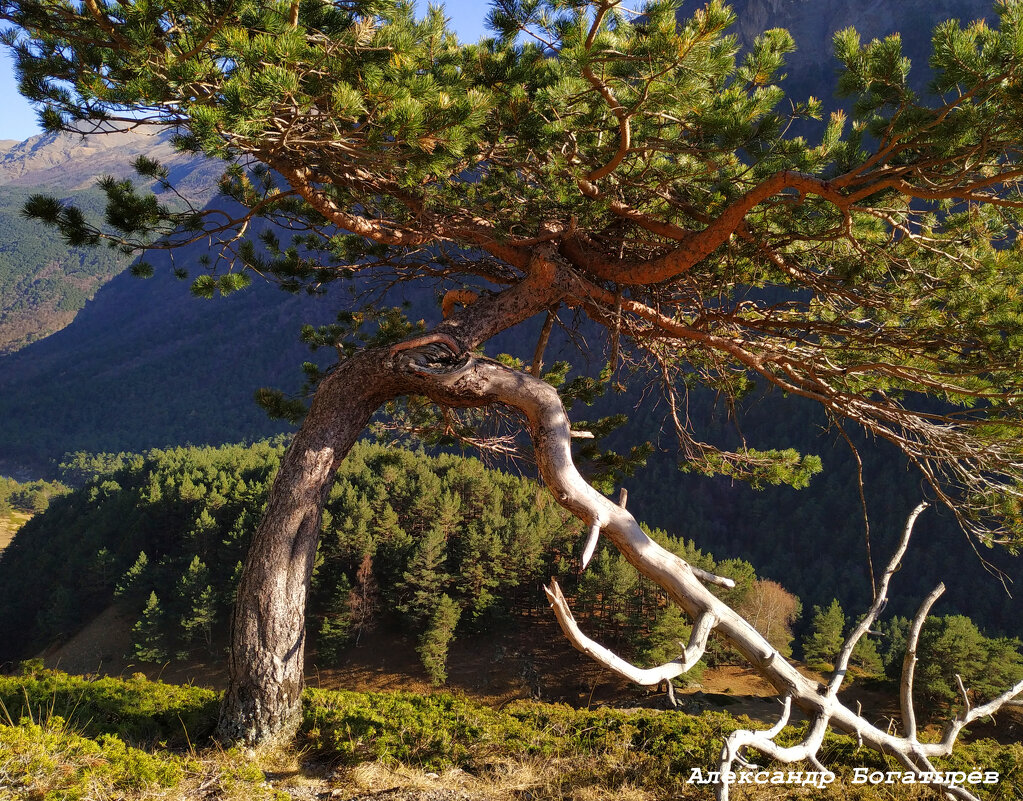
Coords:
67,162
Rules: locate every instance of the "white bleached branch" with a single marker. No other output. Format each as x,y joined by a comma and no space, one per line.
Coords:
909,664
477,381
645,676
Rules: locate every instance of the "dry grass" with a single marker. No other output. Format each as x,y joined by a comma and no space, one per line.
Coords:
9,526
504,780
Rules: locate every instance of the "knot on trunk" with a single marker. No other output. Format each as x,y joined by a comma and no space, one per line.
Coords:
431,354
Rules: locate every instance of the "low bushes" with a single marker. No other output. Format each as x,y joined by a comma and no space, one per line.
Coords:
63,733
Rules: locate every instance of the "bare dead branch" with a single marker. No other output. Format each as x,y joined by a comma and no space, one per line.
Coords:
880,599
909,663
646,676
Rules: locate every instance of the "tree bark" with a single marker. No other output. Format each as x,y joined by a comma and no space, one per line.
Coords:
262,703
263,699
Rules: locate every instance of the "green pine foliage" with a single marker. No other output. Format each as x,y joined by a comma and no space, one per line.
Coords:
334,636
866,656
337,629
401,531
953,645
133,578
433,645
149,638
31,497
425,578
667,639
824,640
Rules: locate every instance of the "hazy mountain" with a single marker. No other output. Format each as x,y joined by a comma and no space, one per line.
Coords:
69,162
146,364
43,283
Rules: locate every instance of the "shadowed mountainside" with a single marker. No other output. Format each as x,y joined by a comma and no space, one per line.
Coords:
43,282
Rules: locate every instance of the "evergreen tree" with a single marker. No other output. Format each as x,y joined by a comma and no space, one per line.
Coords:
197,622
635,169
824,640
668,638
149,638
866,656
953,645
195,601
132,581
425,579
433,645
894,635
99,571
334,635
336,628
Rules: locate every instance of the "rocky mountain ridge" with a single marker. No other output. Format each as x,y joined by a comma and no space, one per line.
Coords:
68,162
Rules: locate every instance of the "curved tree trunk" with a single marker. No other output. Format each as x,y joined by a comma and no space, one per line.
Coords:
267,654
265,669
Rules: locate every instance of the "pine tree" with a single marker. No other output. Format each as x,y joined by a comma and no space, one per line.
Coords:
425,579
894,635
824,641
149,638
336,628
953,646
634,169
668,638
134,578
195,601
433,645
334,635
866,656
197,623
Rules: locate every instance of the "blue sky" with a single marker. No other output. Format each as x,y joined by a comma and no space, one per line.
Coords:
18,120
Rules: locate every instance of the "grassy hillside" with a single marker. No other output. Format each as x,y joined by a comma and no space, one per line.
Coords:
9,525
43,282
75,739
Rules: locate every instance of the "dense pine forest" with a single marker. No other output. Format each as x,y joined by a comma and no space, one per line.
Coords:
427,548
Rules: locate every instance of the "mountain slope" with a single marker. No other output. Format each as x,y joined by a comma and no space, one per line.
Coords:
43,282
146,364
67,162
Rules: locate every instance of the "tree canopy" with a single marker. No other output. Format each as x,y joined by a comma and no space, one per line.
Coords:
630,166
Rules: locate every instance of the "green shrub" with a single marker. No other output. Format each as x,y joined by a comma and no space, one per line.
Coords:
51,761
137,710
77,732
